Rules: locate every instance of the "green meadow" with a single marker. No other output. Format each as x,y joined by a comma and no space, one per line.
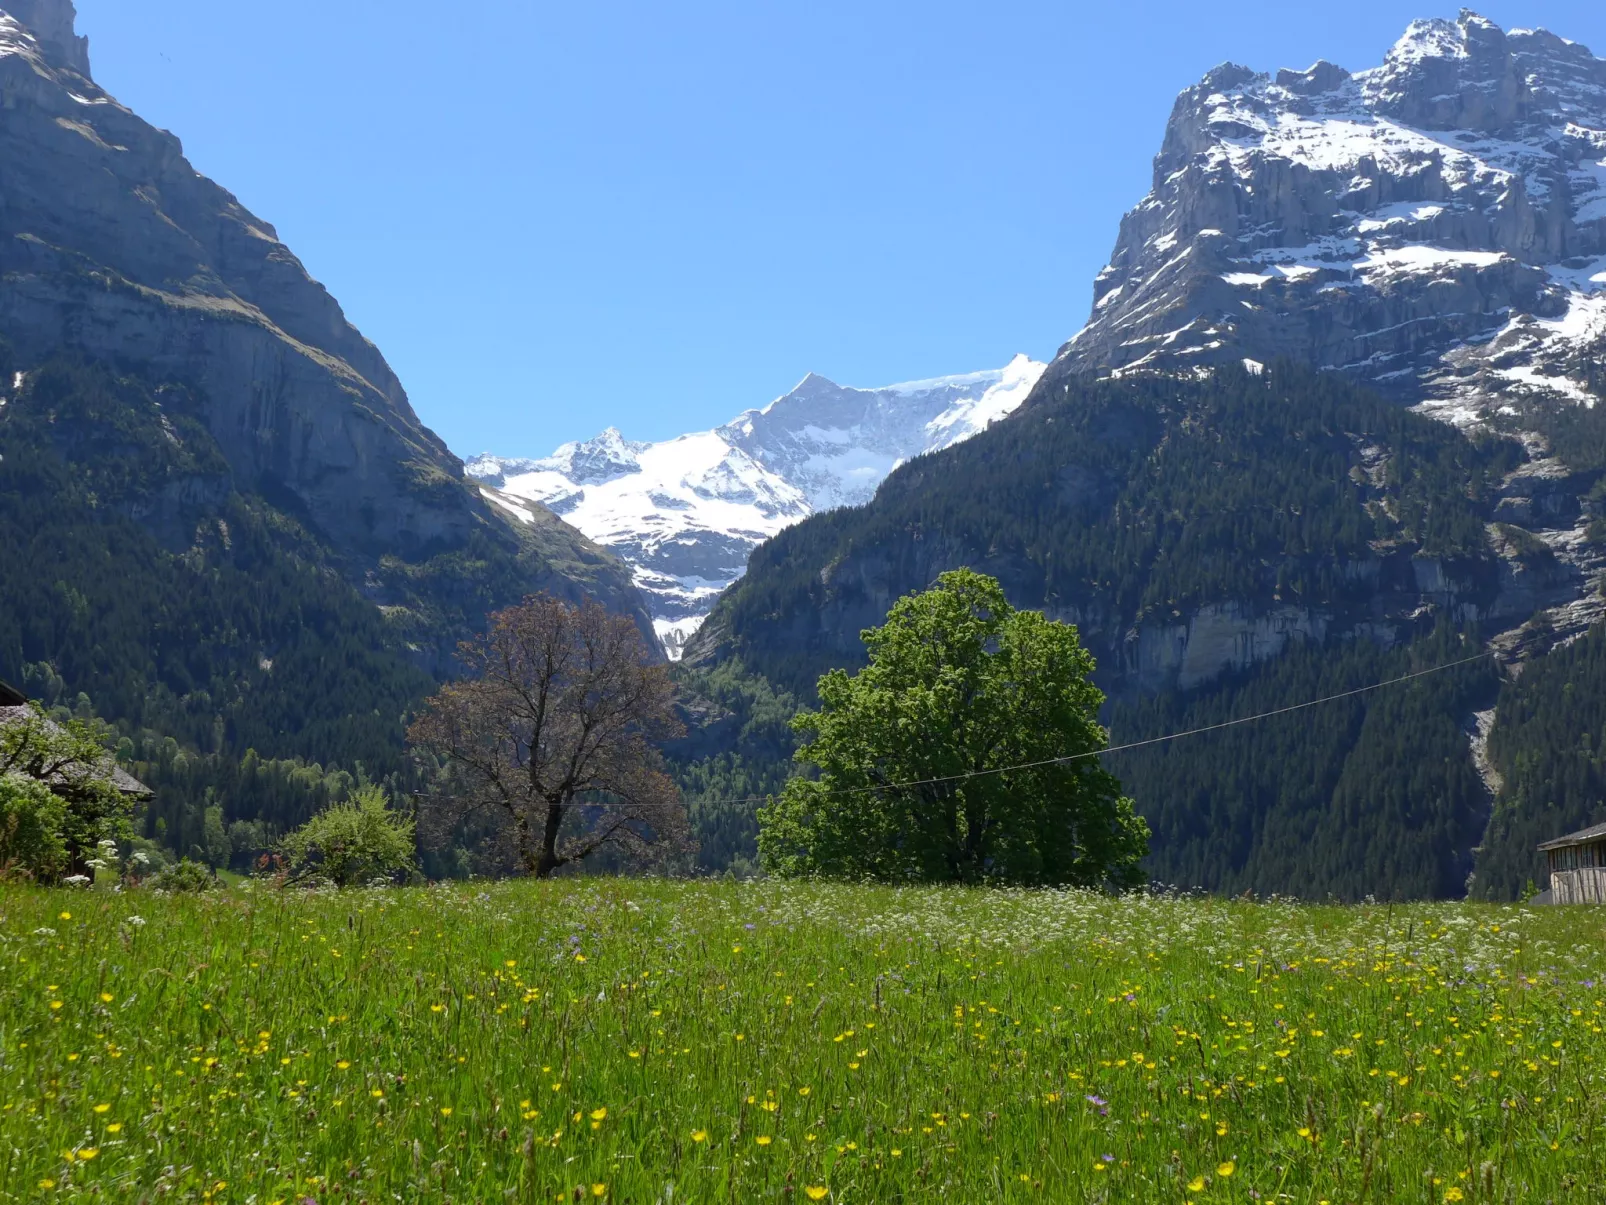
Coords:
647,1041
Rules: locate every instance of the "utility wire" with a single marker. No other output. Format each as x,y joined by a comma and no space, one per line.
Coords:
1157,740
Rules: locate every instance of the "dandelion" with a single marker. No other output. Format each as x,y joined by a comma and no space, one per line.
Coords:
66,915
699,1135
816,1192
599,1190
1225,1170
446,1110
1454,1194
102,1108
1196,1184
764,1140
89,1152
599,1114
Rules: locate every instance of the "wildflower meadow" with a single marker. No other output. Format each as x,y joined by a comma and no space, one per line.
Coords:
639,1041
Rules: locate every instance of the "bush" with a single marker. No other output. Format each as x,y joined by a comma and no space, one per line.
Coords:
187,876
353,842
31,823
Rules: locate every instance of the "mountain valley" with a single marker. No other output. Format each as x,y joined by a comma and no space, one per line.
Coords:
1333,420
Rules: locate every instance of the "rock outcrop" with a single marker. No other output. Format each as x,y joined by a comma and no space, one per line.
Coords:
52,24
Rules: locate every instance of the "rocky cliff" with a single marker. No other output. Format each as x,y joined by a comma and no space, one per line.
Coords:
1435,226
113,246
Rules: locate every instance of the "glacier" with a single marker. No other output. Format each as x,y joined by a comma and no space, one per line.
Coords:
684,513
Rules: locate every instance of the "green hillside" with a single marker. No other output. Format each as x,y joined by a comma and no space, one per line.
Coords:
140,579
1115,504
1131,506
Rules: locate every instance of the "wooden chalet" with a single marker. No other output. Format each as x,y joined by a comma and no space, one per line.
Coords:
14,710
1578,867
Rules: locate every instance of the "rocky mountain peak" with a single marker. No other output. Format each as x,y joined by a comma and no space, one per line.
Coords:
601,458
52,23
1452,75
686,512
1435,225
1315,80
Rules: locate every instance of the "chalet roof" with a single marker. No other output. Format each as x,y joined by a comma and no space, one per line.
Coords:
10,696
108,768
1587,836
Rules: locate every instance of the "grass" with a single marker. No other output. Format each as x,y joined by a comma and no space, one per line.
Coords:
637,1041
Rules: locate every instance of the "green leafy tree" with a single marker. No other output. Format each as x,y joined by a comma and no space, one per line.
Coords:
911,754
215,838
353,842
72,760
31,823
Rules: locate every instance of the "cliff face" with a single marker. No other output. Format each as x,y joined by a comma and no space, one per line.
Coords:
113,246
51,23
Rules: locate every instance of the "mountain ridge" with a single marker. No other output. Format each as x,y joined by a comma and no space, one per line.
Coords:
114,246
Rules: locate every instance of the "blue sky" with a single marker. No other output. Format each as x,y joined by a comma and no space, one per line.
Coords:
555,218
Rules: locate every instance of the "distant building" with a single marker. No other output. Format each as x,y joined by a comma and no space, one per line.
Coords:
14,710
1578,867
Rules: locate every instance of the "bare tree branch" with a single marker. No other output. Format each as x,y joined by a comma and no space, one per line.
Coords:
556,731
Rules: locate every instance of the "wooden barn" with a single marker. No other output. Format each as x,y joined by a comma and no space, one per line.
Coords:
14,710
1578,867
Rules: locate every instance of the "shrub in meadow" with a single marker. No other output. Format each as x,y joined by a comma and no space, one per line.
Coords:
186,877
352,843
31,822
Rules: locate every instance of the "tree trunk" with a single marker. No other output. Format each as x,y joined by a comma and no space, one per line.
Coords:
549,842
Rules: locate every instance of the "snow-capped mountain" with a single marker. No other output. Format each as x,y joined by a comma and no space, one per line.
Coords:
685,513
1436,225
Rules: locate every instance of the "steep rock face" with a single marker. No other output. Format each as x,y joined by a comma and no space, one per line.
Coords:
112,245
1435,226
51,22
685,513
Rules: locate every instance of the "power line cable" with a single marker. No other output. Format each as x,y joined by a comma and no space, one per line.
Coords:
1157,740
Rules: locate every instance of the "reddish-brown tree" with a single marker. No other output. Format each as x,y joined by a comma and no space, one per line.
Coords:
554,733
